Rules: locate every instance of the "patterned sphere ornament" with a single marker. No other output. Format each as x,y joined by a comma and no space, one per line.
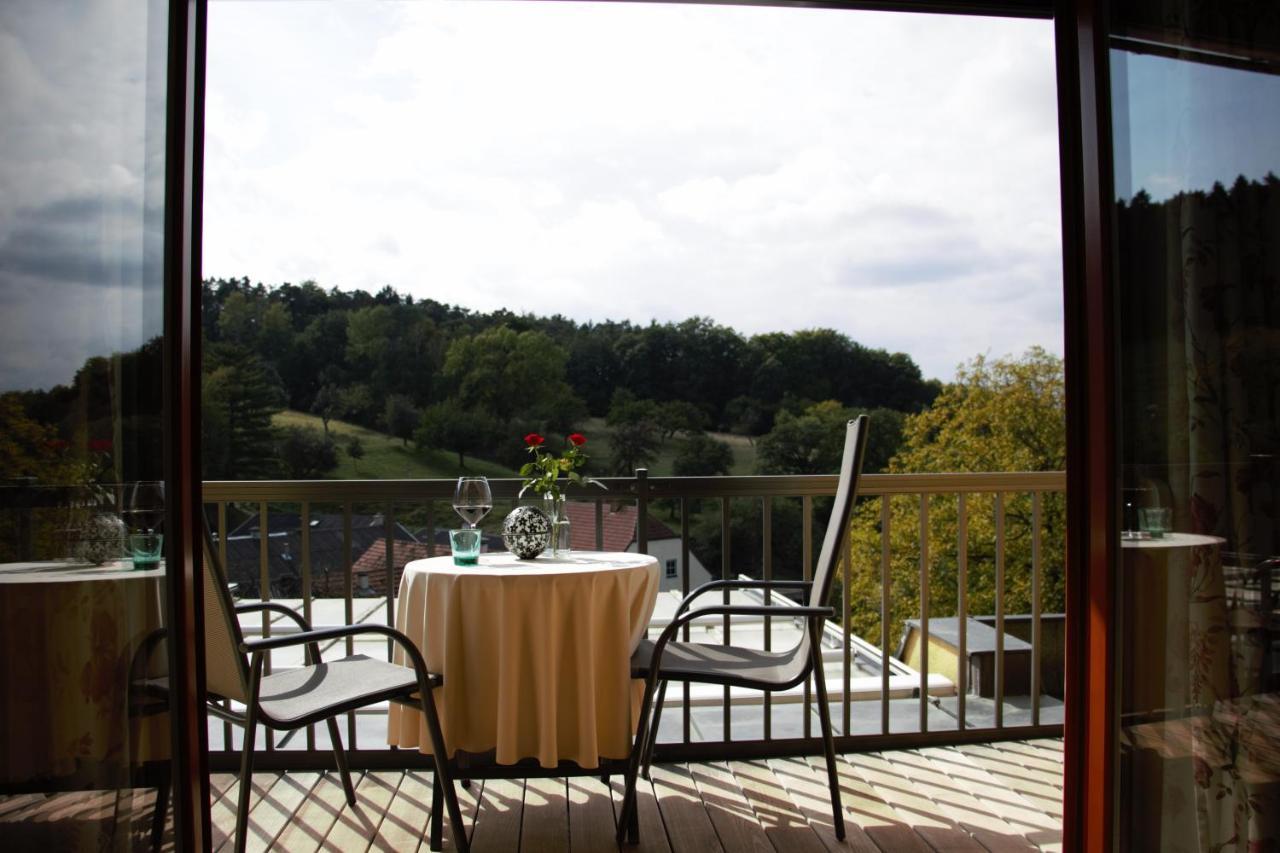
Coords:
526,532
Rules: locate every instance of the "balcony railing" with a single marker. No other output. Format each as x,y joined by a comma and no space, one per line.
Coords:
704,727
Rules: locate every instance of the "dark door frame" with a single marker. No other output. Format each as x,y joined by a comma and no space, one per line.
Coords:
1092,522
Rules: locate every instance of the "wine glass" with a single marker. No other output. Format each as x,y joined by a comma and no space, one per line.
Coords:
144,512
472,499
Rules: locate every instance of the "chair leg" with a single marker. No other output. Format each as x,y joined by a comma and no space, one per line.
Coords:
625,827
444,780
340,755
246,779
652,739
161,809
437,816
828,744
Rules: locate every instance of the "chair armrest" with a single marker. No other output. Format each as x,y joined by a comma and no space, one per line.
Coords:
274,607
711,586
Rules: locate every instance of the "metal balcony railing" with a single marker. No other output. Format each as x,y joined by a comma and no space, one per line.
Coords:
705,726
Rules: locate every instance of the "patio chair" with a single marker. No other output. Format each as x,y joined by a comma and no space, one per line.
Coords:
664,660
319,691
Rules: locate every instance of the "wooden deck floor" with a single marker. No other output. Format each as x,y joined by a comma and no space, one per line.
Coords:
993,797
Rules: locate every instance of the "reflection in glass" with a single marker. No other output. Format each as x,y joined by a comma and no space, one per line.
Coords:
81,307
1197,265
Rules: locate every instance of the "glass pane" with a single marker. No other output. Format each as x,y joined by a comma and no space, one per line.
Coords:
1196,116
83,730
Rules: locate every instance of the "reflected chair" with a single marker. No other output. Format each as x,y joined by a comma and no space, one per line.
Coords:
319,691
664,660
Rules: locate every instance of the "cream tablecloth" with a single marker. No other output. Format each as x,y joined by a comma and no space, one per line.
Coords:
535,654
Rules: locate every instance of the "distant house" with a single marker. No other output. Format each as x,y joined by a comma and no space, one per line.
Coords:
284,552
618,533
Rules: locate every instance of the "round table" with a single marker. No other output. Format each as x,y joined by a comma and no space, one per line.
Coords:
65,696
535,654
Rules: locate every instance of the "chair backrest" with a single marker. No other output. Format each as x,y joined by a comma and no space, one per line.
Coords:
226,670
855,447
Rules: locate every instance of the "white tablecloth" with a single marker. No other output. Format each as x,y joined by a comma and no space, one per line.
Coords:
535,654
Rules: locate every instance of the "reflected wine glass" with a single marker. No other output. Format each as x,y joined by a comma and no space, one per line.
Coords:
472,499
144,509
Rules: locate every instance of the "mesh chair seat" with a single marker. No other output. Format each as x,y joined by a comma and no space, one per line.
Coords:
297,694
732,665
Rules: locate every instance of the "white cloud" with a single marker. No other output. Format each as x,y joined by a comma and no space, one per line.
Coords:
893,176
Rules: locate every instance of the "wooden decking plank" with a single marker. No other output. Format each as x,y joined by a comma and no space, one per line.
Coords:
405,823
688,825
12,806
1031,785
896,790
950,840
1023,817
784,825
357,826
497,823
806,785
1029,757
544,826
591,817
897,838
311,823
954,799
731,813
274,809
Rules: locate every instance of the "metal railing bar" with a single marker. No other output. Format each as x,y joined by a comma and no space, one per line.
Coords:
962,607
600,524
725,530
222,558
924,613
999,656
806,571
814,485
304,518
686,716
766,520
349,606
389,533
431,529
885,613
642,510
264,594
846,667
1036,644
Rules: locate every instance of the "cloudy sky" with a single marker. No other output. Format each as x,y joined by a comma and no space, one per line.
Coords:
892,176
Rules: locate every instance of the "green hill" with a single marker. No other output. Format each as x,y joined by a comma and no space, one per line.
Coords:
386,457
744,451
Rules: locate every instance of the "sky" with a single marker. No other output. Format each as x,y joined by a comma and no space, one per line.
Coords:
892,176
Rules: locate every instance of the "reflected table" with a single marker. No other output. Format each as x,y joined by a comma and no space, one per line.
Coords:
68,635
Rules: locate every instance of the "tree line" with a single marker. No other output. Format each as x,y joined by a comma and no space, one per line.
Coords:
471,382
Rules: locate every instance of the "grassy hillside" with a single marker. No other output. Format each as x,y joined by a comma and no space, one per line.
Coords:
386,457
744,452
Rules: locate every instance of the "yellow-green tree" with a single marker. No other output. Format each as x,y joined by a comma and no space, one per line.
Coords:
1000,415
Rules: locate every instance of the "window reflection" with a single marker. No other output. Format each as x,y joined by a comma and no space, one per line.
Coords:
1197,266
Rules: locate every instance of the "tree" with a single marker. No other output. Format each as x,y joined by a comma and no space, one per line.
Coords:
328,405
1000,415
700,455
635,445
511,374
306,454
239,398
355,449
401,417
451,426
808,443
678,416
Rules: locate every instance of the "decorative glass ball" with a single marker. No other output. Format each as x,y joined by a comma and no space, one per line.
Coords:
526,532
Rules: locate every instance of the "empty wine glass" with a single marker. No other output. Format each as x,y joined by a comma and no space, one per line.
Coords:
472,499
144,511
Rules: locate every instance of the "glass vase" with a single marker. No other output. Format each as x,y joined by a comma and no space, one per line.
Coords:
553,505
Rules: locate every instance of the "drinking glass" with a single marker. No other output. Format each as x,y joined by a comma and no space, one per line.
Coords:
144,509
472,499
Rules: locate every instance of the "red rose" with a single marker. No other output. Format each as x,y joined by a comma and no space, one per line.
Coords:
577,439
533,439
100,445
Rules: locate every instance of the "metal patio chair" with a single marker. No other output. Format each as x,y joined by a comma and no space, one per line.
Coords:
319,691
666,659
